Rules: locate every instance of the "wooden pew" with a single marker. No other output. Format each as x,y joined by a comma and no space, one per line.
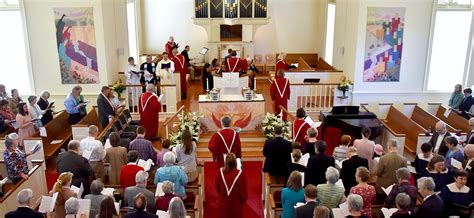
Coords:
273,208
427,120
269,191
36,182
58,129
310,58
398,124
453,119
81,129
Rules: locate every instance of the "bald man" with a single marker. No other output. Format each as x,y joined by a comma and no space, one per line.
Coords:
437,140
468,165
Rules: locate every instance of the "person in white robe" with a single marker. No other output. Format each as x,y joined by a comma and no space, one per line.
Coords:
132,75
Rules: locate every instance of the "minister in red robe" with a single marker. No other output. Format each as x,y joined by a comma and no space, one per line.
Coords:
235,64
224,142
281,64
170,45
181,66
280,92
300,126
149,108
231,187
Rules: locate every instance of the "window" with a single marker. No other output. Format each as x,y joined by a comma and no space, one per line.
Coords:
14,69
132,30
450,45
331,19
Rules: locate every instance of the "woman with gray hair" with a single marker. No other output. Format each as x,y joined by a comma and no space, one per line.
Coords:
72,208
403,203
15,159
162,202
355,204
403,186
330,194
176,208
96,197
172,173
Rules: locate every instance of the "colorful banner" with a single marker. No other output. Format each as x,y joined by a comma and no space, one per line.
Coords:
76,43
384,44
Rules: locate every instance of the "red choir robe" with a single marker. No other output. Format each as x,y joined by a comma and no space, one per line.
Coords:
169,46
232,193
281,64
149,108
280,93
224,142
299,130
233,64
181,66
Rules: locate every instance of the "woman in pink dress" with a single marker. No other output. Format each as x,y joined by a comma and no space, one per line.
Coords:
366,191
26,127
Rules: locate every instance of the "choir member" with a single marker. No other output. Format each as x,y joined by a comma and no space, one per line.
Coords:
165,69
281,63
132,75
170,45
457,196
149,108
149,72
422,159
280,93
235,64
468,165
453,151
300,126
181,66
432,205
224,142
437,170
231,186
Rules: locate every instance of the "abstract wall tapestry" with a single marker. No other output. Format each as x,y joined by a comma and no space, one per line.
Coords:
384,44
76,44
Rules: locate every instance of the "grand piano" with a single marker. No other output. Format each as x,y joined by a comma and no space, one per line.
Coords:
350,120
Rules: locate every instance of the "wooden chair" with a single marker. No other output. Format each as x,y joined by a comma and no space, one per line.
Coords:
259,63
270,62
453,119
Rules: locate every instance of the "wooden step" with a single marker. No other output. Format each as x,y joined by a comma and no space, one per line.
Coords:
244,134
243,144
246,139
250,154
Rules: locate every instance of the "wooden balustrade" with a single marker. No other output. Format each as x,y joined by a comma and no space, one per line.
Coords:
171,121
313,97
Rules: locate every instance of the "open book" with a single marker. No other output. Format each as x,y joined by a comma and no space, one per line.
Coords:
47,203
84,207
78,190
309,121
342,211
302,179
108,191
159,190
303,160
164,214
388,189
339,163
388,212
412,169
146,165
340,184
455,163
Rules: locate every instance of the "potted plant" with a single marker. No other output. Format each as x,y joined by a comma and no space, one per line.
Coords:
344,86
118,87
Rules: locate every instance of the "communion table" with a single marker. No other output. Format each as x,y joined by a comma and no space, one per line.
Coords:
230,83
245,114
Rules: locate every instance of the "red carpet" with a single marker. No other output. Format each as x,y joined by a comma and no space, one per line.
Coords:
51,178
253,172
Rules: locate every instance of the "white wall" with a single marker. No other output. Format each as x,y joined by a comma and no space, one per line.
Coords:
292,27
351,23
109,15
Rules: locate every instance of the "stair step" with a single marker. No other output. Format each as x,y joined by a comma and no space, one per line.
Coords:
206,149
244,134
247,139
243,144
208,154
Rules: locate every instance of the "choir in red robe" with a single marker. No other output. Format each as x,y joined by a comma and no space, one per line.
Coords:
181,66
280,93
299,130
235,64
149,108
224,142
232,193
281,64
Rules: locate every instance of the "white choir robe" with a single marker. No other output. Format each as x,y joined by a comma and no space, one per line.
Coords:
166,76
133,79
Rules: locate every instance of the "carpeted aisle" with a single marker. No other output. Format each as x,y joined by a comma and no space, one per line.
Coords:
253,172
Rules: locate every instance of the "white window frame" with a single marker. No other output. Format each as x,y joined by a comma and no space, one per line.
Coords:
439,7
21,8
136,4
330,2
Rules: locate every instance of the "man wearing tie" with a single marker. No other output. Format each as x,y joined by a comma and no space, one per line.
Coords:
437,140
105,107
466,103
224,142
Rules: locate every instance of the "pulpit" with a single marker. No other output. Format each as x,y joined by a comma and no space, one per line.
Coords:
231,83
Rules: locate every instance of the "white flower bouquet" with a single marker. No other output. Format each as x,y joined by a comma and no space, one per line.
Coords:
187,120
270,121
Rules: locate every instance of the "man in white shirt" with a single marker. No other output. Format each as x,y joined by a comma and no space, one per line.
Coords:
437,140
93,150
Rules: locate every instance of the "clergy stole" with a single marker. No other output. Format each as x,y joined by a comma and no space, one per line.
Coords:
299,130
149,108
280,93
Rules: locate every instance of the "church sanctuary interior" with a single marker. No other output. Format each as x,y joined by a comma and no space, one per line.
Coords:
237,108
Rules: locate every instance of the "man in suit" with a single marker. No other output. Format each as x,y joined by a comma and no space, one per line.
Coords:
388,165
317,165
139,204
105,106
43,103
141,179
470,136
277,154
72,161
24,210
466,103
468,165
437,140
432,205
310,195
349,168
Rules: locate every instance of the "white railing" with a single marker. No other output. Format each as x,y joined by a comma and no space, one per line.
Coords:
313,97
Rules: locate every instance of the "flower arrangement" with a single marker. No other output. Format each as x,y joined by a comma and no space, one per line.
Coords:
344,84
187,120
270,121
118,87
